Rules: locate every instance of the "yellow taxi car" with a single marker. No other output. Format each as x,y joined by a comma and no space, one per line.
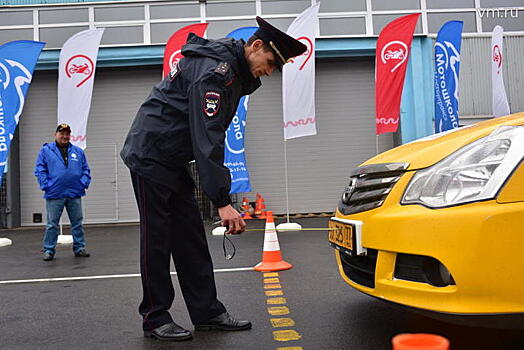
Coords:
438,224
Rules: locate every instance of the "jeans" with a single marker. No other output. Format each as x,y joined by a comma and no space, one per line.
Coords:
55,207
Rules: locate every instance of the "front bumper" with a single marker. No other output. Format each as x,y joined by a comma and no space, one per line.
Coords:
480,244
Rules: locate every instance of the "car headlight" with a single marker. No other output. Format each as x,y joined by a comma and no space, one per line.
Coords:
473,173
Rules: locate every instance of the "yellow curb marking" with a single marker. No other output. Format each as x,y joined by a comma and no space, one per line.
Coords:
282,322
273,293
278,310
276,301
286,335
271,280
291,348
270,274
272,286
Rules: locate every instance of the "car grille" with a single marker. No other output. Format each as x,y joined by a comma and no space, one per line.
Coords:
369,186
360,268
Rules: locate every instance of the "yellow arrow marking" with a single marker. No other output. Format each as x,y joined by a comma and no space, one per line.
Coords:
286,335
282,322
276,301
278,310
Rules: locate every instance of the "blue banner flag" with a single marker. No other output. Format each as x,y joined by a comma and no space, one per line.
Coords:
234,157
17,63
447,63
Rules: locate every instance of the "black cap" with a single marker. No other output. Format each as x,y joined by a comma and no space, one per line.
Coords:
63,127
284,46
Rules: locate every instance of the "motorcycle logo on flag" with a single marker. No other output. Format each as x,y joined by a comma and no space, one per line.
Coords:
80,68
497,57
173,50
174,58
395,51
391,61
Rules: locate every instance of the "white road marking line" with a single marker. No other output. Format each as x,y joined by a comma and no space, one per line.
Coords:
83,278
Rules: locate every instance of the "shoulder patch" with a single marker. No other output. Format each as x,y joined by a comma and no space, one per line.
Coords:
211,103
222,68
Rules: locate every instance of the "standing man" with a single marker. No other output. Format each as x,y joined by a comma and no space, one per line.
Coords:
63,174
183,119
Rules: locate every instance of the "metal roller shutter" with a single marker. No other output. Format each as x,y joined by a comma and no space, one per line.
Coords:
318,165
117,95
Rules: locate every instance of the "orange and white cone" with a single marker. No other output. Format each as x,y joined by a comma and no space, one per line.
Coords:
271,257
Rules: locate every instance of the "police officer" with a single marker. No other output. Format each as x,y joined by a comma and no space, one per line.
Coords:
183,119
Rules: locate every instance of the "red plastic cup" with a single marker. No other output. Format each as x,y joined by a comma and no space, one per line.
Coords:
420,341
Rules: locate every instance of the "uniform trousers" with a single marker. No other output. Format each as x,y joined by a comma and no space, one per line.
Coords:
171,226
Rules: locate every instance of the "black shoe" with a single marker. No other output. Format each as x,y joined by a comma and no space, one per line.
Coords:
82,253
48,256
223,322
169,331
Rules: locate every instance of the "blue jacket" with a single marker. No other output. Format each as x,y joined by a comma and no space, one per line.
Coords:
57,180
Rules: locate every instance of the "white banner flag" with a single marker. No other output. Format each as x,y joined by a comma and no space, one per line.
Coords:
76,74
500,100
298,79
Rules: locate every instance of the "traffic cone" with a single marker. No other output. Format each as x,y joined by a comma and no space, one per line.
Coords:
245,208
419,341
271,257
260,207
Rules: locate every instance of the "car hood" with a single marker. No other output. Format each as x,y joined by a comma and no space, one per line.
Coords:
429,150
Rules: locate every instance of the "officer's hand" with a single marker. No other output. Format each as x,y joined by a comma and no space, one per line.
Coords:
232,220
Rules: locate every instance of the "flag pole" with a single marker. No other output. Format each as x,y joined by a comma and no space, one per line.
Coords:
285,176
291,226
376,142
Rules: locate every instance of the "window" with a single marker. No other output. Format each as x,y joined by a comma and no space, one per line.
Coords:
121,13
342,26
9,18
63,16
7,35
380,21
284,6
342,5
174,11
161,32
221,9
56,37
436,20
219,29
123,35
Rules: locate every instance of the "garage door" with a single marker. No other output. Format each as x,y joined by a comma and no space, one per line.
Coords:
318,166
116,97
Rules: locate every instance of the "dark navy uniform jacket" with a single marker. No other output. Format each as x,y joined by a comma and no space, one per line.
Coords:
186,115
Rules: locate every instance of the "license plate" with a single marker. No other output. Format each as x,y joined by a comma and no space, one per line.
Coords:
341,234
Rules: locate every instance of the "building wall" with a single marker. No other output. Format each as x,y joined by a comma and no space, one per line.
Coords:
318,165
475,75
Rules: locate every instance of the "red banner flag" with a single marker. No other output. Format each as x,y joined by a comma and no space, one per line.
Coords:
172,53
391,60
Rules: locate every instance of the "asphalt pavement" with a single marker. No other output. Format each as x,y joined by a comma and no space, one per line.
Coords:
99,311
